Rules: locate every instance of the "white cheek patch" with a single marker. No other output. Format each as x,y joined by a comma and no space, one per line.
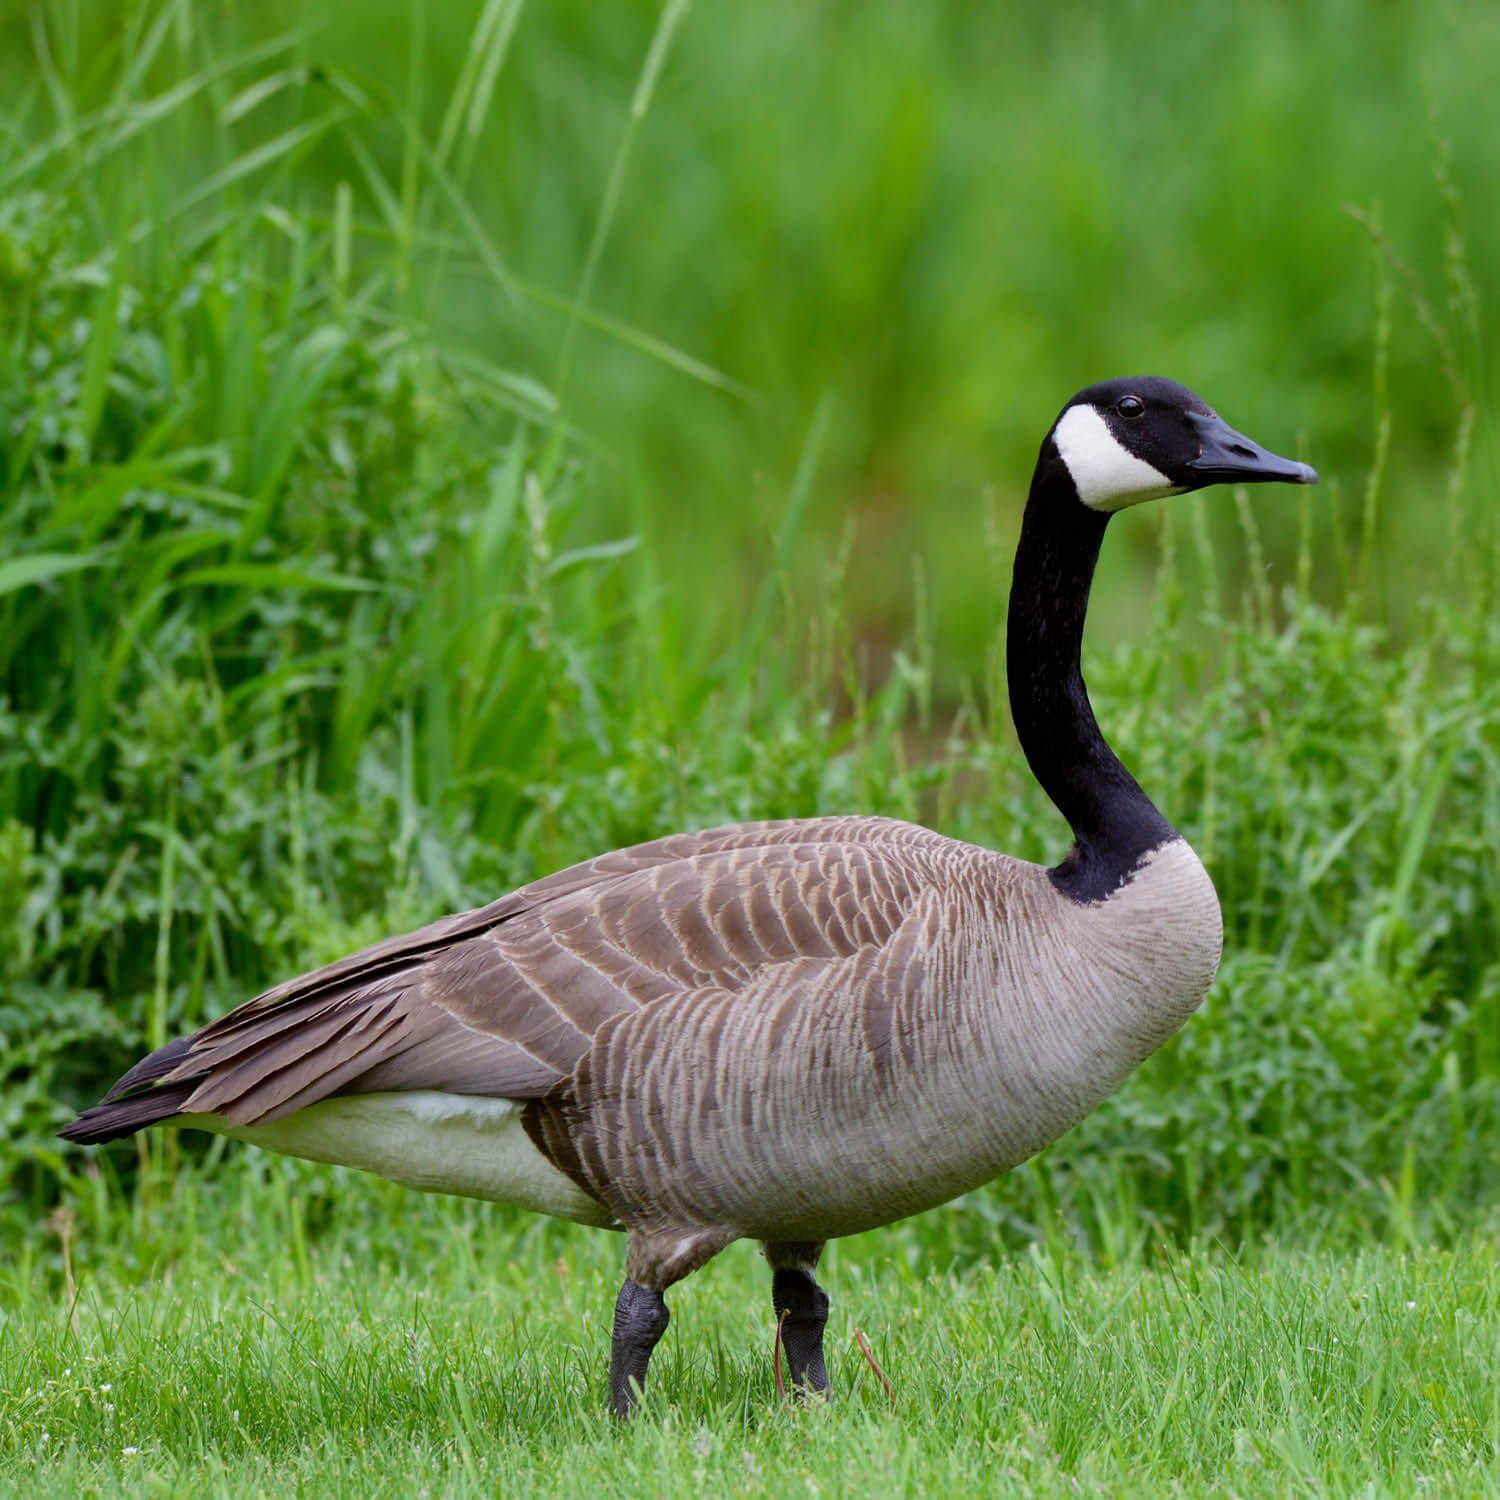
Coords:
1106,474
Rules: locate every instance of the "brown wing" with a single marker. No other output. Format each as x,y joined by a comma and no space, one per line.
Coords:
504,1000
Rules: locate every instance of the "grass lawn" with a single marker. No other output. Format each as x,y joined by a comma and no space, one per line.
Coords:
422,1346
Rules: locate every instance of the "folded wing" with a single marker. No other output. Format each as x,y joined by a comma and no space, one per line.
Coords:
504,1001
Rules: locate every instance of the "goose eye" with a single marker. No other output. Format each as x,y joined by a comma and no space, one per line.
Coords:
1130,406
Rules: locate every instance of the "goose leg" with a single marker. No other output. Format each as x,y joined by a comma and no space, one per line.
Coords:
655,1258
801,1307
641,1317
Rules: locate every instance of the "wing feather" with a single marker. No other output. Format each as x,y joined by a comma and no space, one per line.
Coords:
506,999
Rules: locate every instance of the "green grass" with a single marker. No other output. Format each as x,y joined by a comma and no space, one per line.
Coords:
993,206
421,471
462,1350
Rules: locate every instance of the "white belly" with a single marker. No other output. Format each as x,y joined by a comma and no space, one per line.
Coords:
441,1143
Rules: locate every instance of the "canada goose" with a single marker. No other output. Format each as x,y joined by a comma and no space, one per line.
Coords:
786,1031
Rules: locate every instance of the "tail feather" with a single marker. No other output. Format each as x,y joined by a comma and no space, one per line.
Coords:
133,1102
149,1069
124,1116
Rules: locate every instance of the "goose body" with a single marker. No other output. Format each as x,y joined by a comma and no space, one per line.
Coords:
752,1061
788,1031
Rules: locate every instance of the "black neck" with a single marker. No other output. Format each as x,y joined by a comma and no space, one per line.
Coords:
1114,822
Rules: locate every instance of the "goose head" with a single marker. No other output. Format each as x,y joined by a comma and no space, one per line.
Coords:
1142,437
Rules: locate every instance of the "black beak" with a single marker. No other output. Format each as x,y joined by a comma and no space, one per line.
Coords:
1229,457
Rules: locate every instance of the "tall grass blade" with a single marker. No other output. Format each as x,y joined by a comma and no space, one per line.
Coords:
41,567
672,14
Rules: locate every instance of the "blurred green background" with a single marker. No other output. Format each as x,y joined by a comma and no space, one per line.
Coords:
941,219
